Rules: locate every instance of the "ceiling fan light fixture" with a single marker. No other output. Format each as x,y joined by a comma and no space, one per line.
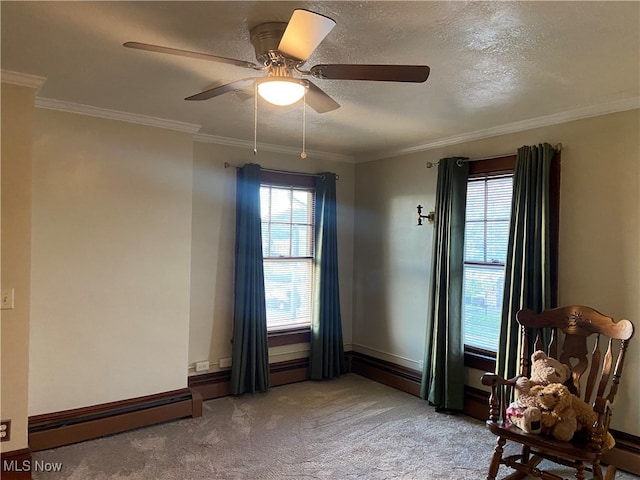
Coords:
282,91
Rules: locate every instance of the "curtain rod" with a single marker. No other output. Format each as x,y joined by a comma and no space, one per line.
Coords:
285,172
558,148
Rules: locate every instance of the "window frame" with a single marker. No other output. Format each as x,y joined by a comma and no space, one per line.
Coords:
295,334
479,358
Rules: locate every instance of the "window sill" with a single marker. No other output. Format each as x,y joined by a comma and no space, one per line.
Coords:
479,359
278,338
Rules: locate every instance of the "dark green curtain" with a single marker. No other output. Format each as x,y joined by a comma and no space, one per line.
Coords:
529,256
327,351
250,355
443,371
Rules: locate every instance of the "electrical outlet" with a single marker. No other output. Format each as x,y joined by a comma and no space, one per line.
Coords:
224,362
202,366
6,299
5,430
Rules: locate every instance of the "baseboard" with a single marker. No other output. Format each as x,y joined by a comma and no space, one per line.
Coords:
71,426
290,371
216,384
396,376
16,465
476,403
625,455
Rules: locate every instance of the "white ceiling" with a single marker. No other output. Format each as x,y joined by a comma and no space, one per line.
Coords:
495,66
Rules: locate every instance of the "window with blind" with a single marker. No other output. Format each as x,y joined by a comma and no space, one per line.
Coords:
287,245
485,249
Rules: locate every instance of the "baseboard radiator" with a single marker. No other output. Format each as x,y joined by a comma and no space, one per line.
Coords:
71,426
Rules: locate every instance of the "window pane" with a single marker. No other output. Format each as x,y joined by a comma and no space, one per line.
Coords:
301,240
474,242
475,200
288,291
499,192
265,203
497,239
280,205
280,241
482,305
301,211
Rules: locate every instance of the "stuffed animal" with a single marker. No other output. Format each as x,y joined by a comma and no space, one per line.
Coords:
525,412
563,414
558,415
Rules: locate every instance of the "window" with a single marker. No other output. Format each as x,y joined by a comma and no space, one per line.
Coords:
485,250
480,332
288,248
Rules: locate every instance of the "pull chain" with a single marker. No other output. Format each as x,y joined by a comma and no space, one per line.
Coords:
255,118
303,154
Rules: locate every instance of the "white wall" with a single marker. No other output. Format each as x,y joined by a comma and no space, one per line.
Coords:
599,238
110,261
213,234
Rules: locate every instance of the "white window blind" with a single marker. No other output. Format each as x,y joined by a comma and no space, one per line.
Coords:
485,249
287,245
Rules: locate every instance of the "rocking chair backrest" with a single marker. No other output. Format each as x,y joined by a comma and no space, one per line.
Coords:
579,324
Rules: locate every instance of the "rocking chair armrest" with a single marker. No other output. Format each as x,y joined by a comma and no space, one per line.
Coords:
603,408
493,380
497,397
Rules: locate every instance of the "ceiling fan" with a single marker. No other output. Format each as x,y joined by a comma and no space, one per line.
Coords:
282,49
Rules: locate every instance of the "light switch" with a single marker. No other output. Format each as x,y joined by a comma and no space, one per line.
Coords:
6,299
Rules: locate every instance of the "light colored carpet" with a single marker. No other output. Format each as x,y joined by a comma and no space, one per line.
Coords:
350,428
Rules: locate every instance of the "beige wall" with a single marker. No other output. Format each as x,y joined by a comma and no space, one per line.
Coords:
15,222
213,233
132,250
599,238
111,261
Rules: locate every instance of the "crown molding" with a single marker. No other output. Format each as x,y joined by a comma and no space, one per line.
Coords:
22,79
52,104
268,147
71,107
579,113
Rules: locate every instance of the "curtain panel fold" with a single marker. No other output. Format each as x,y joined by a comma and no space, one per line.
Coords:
327,350
528,280
443,372
250,355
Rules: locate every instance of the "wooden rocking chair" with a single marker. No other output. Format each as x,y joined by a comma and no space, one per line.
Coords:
574,331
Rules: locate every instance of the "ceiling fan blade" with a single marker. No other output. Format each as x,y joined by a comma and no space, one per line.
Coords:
304,33
187,53
380,73
222,89
319,100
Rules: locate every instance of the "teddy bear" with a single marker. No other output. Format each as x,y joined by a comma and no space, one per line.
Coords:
563,414
525,412
558,417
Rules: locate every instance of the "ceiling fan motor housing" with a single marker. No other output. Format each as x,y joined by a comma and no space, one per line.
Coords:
265,39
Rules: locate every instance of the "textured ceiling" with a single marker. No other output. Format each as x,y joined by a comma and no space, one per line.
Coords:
493,64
